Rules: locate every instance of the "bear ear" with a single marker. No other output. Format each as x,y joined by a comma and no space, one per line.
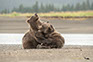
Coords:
36,15
51,28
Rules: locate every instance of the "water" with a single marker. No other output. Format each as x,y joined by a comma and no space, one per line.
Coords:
70,39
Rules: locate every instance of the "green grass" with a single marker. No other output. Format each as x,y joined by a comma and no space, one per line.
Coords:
63,14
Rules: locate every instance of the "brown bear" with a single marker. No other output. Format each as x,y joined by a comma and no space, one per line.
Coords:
35,22
53,38
29,40
40,33
48,37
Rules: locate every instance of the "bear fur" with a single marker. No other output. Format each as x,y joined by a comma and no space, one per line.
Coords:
34,22
41,33
53,38
29,40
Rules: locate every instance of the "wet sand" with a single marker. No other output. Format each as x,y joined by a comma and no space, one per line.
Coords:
15,53
19,25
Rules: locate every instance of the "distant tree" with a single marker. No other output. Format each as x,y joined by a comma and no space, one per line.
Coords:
83,6
5,11
42,8
72,8
68,7
51,7
47,9
64,8
27,10
36,7
87,5
15,9
91,6
21,8
78,7
57,9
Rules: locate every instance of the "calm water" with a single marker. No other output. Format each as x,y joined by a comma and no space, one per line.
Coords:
71,39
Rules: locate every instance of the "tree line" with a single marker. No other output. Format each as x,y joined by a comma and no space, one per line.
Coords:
50,7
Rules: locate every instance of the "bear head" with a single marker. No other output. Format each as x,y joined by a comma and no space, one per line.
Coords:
47,28
34,22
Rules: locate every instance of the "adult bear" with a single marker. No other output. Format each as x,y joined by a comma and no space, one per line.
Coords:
29,40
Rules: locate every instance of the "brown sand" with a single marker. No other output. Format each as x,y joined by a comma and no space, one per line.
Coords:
19,25
14,53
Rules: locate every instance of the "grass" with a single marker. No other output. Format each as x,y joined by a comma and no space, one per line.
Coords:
63,14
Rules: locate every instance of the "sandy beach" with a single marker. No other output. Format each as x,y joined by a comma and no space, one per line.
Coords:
15,53
69,53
